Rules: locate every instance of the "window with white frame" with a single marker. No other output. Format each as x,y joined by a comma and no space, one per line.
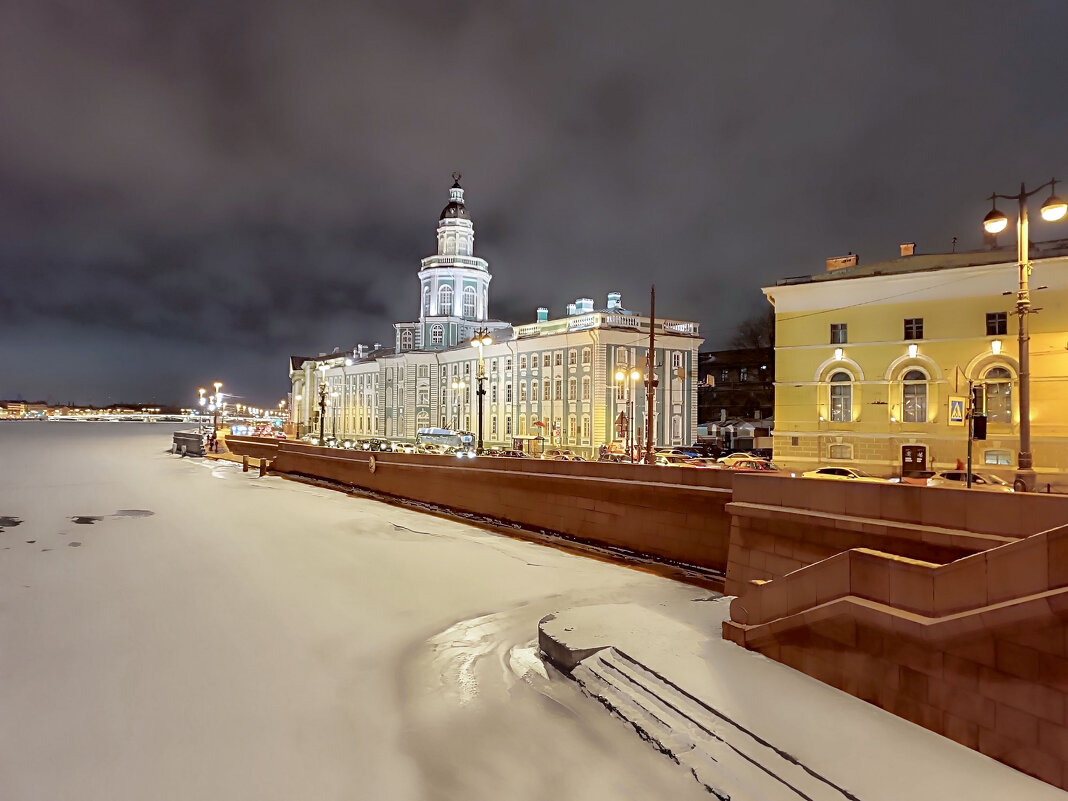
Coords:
586,388
585,428
586,355
534,390
406,339
522,390
914,397
493,393
676,360
508,393
522,425
533,361
426,300
469,302
841,397
522,362
437,334
493,426
558,389
424,371
572,358
508,425
839,450
445,301
572,389
998,395
571,428
545,390
998,457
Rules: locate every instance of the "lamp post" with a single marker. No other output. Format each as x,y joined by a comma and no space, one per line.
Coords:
458,386
480,340
630,378
202,402
995,222
322,401
218,399
333,417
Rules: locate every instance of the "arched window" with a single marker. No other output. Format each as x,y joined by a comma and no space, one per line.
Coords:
676,428
469,303
445,301
426,300
571,428
522,425
585,428
914,397
998,395
841,398
437,335
406,339
534,361
522,390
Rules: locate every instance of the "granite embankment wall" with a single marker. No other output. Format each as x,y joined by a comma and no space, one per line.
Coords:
946,607
671,514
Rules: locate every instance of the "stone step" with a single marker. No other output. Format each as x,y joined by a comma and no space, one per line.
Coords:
729,760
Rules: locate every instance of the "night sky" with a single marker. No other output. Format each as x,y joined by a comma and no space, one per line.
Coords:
194,191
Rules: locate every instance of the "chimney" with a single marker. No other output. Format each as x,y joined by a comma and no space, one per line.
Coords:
361,350
614,301
908,249
543,314
570,309
584,304
838,262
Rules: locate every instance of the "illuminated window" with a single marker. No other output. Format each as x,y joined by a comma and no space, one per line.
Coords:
840,451
586,356
558,388
445,301
522,390
437,335
998,395
585,388
469,303
997,457
522,362
914,397
545,390
572,358
534,362
841,398
572,389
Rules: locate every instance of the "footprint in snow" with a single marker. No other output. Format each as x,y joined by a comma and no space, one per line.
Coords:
86,520
74,544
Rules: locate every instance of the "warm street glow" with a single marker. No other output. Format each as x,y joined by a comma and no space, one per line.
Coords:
995,222
1053,209
995,347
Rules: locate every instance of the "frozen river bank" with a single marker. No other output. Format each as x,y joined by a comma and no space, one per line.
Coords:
173,628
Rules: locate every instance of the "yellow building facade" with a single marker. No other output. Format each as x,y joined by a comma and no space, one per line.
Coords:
873,363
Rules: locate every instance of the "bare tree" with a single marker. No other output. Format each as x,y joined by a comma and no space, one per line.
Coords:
756,331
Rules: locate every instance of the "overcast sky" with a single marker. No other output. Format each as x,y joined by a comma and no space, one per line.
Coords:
193,191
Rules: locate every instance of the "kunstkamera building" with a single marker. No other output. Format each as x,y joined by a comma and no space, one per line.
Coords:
556,378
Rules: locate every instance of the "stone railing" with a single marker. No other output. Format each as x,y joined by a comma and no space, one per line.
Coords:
582,322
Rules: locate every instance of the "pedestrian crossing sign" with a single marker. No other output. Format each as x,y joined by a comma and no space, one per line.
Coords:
956,410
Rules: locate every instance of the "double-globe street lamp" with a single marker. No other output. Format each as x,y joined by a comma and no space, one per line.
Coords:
995,222
322,401
630,377
480,340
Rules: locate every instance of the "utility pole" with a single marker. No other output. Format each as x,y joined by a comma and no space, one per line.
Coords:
650,381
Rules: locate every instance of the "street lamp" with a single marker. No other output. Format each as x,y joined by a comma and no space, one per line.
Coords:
215,407
322,401
458,386
995,222
333,417
630,378
480,340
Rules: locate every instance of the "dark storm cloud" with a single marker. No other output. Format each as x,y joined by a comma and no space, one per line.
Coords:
217,185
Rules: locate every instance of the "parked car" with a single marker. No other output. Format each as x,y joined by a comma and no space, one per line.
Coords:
552,453
980,481
512,454
681,450
706,463
758,466
673,460
735,457
847,474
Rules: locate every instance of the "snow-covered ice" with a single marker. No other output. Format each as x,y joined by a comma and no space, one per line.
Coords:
216,635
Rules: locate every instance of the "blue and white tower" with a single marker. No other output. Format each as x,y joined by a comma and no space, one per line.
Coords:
453,285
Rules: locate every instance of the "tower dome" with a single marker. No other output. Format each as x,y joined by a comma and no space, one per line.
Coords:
456,208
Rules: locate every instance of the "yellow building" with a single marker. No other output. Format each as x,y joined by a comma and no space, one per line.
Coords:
870,360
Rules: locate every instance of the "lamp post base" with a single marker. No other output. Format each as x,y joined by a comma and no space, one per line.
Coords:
1025,480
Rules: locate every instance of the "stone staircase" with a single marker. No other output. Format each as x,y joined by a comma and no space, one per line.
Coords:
730,761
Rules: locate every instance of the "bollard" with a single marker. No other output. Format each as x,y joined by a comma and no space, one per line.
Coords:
244,464
263,467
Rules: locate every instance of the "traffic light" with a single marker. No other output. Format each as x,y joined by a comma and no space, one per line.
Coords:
979,426
978,400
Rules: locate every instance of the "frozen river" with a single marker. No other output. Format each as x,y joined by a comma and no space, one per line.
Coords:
176,629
